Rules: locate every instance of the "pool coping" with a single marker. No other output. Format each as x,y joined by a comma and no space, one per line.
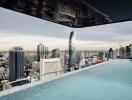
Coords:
35,83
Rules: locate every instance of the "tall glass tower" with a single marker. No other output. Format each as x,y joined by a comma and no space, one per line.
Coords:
16,63
40,51
72,53
110,54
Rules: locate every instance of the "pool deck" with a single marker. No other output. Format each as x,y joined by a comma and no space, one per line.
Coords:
19,88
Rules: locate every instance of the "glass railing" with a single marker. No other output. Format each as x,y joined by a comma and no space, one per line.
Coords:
32,78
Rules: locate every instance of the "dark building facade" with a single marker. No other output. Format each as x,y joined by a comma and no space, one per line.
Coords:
55,53
110,54
101,55
121,52
16,64
127,53
40,51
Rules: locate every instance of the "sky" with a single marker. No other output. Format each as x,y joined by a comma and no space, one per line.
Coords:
18,29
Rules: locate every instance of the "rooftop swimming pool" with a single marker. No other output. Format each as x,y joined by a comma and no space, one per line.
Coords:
110,81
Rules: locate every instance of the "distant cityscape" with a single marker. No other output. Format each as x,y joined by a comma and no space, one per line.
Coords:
65,50
19,67
125,52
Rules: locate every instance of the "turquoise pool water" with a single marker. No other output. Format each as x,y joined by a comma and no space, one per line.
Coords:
111,81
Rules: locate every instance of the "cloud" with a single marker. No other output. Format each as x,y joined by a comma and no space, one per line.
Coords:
123,28
29,42
21,29
15,22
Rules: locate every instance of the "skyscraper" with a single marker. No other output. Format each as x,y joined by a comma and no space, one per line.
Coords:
128,50
46,52
40,51
55,53
110,54
16,63
72,53
121,52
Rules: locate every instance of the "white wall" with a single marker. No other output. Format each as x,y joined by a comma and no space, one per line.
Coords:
49,66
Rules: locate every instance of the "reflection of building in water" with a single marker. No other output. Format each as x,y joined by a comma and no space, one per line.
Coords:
16,64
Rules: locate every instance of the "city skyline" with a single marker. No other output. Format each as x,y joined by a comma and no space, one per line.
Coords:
65,50
23,30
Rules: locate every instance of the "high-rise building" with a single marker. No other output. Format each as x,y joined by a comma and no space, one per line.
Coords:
55,53
46,53
127,53
117,53
121,52
80,58
40,51
110,54
66,58
72,52
16,63
63,59
130,50
101,56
